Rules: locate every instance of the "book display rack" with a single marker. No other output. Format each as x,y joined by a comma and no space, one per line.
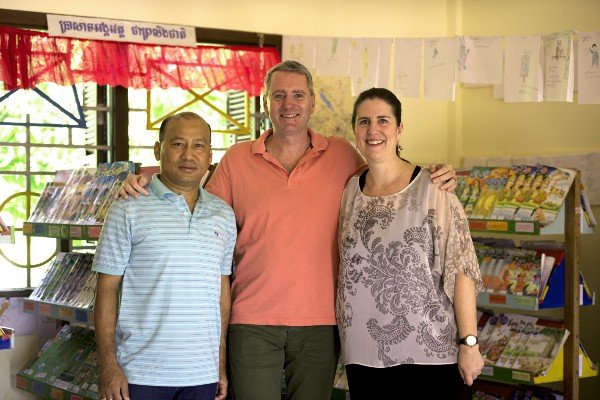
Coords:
530,200
71,207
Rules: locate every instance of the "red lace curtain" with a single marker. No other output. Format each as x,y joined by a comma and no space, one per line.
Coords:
28,58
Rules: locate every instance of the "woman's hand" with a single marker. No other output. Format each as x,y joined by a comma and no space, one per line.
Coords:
470,363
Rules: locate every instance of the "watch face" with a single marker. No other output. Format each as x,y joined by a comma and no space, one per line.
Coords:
471,340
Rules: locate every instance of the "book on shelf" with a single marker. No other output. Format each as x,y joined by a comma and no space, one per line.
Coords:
491,184
520,342
541,348
535,393
475,183
504,330
506,192
509,270
587,209
519,193
522,185
67,362
478,394
69,281
47,202
526,277
81,196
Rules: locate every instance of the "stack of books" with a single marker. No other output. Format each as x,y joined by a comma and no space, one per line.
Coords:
83,197
520,342
69,281
517,193
66,362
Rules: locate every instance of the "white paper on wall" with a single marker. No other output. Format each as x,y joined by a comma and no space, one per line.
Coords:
299,48
364,60
479,59
384,63
523,80
333,56
559,66
407,67
588,84
438,56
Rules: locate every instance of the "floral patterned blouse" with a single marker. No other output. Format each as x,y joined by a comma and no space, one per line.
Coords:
399,257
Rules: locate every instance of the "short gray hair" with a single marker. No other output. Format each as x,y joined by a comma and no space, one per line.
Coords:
289,66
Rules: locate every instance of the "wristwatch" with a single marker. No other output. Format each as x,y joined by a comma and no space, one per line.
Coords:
469,340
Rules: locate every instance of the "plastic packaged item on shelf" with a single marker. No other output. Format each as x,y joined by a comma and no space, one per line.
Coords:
7,338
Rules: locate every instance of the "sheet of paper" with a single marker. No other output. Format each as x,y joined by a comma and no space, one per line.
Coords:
479,59
364,64
588,84
439,69
407,67
523,78
559,66
299,48
333,56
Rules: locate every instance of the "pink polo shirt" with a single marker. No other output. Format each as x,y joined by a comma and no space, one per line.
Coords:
286,256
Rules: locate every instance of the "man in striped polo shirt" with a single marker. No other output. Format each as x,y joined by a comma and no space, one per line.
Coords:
163,263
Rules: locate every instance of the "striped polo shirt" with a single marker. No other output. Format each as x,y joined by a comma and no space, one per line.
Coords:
169,322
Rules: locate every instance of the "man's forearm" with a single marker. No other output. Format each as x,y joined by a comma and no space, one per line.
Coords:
225,306
105,318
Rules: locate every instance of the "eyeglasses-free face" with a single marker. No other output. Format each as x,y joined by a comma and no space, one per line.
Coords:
289,103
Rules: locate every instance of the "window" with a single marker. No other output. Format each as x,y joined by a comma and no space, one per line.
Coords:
54,127
41,131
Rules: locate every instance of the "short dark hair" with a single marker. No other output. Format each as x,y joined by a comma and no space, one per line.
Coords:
379,93
289,66
178,116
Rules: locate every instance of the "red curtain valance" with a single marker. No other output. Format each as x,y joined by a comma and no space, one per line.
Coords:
28,58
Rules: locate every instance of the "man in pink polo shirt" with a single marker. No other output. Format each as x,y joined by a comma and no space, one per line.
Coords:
285,189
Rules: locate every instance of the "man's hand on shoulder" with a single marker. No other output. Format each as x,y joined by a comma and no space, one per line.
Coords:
133,185
443,174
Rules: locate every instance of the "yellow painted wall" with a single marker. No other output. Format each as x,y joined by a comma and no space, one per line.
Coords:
492,127
475,125
426,122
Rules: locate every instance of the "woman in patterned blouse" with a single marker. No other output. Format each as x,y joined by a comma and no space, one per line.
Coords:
408,275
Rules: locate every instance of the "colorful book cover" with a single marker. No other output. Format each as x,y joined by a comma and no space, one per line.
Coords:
488,328
533,197
475,182
71,195
506,192
587,209
541,348
553,195
518,325
525,211
47,202
497,339
520,191
520,344
506,274
491,186
516,328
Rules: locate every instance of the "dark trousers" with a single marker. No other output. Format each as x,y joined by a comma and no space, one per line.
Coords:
258,354
430,381
201,392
